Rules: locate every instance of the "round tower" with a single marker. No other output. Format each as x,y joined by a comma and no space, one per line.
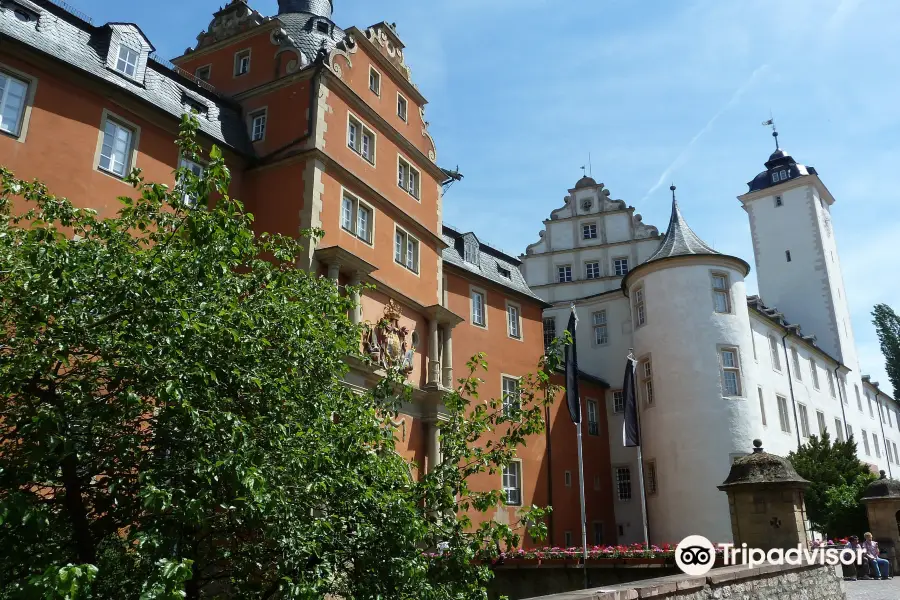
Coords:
695,378
320,8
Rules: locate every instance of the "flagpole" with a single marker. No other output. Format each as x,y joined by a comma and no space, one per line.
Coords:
639,442
583,516
640,458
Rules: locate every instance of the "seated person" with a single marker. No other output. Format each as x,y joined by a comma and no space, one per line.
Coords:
882,567
862,568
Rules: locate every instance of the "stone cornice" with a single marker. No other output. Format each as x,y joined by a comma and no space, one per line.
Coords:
787,186
722,260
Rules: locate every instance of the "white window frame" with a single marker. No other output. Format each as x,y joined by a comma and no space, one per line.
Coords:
651,473
548,339
735,367
865,438
839,434
645,376
122,62
784,417
639,305
514,327
402,107
593,417
23,111
774,353
814,372
721,292
832,390
618,401
871,409
877,447
803,413
621,477
567,269
193,167
411,181
795,357
368,151
620,266
258,119
589,228
351,226
820,418
762,405
511,390
480,292
592,269
131,154
859,400
511,480
239,57
600,326
407,242
375,87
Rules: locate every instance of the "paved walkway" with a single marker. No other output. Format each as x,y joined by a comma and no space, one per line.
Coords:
873,590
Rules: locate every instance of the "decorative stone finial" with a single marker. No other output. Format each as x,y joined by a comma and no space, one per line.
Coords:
757,446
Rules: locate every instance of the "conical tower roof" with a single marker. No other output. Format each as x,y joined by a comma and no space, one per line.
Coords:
680,239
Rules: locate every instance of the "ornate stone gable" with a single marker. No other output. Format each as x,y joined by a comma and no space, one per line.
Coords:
236,17
384,37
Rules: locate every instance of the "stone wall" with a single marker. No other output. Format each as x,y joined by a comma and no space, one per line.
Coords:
811,582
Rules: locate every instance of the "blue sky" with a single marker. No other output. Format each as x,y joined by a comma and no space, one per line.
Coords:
656,91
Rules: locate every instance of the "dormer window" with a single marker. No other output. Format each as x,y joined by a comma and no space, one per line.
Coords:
127,61
504,272
471,253
781,175
322,26
204,72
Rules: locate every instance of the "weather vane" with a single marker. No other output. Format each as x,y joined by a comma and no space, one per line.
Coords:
771,123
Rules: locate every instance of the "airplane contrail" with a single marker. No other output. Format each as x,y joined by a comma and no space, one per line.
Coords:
682,157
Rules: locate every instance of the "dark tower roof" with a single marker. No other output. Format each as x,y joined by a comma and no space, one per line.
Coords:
320,8
309,26
680,239
781,166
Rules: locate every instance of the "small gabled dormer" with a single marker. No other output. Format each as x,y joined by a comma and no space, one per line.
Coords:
470,249
129,50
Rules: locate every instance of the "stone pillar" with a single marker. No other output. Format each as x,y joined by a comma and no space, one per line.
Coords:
432,444
765,497
334,272
882,500
434,362
448,358
356,311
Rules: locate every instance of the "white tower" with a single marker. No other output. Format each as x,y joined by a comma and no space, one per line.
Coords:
692,339
797,264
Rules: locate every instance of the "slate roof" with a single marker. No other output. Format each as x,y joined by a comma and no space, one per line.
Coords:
67,37
301,28
783,164
489,260
680,239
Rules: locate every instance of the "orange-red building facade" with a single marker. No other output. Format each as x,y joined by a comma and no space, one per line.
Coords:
322,128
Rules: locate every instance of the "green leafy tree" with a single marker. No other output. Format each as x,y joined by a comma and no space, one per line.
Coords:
838,480
887,325
173,421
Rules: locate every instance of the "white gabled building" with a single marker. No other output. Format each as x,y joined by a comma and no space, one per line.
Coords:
716,369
